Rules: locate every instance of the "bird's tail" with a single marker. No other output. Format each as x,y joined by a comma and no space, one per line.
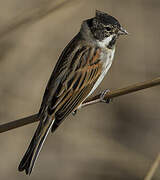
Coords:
28,160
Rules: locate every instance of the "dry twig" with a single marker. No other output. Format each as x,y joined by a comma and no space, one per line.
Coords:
93,100
153,168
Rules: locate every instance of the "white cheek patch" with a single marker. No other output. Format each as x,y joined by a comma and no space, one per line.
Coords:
105,42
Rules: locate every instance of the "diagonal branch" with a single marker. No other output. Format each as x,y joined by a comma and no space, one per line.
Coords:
123,91
92,100
153,168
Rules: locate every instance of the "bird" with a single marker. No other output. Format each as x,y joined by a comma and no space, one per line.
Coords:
79,70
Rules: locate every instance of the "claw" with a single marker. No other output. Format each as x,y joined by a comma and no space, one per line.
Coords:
74,112
102,96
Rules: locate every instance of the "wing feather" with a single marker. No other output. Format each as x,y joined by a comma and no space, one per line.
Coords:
74,76
77,90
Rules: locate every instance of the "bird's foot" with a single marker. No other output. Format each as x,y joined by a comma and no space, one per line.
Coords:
74,112
102,96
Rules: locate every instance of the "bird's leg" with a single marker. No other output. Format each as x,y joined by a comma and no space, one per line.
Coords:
76,110
101,99
102,96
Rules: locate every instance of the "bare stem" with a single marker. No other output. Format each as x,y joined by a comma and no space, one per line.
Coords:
89,101
153,168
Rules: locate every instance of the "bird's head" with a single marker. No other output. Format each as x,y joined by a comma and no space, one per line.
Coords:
105,28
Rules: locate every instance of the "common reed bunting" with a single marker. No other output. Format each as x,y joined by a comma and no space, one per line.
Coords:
80,69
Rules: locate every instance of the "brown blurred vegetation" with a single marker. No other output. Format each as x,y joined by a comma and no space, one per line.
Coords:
115,141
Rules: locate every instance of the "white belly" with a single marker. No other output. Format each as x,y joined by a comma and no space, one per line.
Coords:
107,59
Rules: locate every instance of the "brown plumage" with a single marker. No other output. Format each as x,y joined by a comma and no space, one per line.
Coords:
71,81
79,70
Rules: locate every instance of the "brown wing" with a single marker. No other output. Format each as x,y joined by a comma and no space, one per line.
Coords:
76,77
77,85
76,93
57,76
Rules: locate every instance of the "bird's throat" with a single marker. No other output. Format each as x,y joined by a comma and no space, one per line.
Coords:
112,42
108,42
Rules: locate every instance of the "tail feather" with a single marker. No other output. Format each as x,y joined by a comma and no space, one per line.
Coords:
29,159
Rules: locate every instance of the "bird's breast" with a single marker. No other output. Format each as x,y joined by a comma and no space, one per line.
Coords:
106,58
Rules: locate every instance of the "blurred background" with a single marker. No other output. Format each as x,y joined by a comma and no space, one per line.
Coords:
112,141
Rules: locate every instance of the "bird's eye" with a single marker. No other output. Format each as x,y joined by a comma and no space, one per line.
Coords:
108,28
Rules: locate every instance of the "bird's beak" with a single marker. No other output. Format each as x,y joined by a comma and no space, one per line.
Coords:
122,31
